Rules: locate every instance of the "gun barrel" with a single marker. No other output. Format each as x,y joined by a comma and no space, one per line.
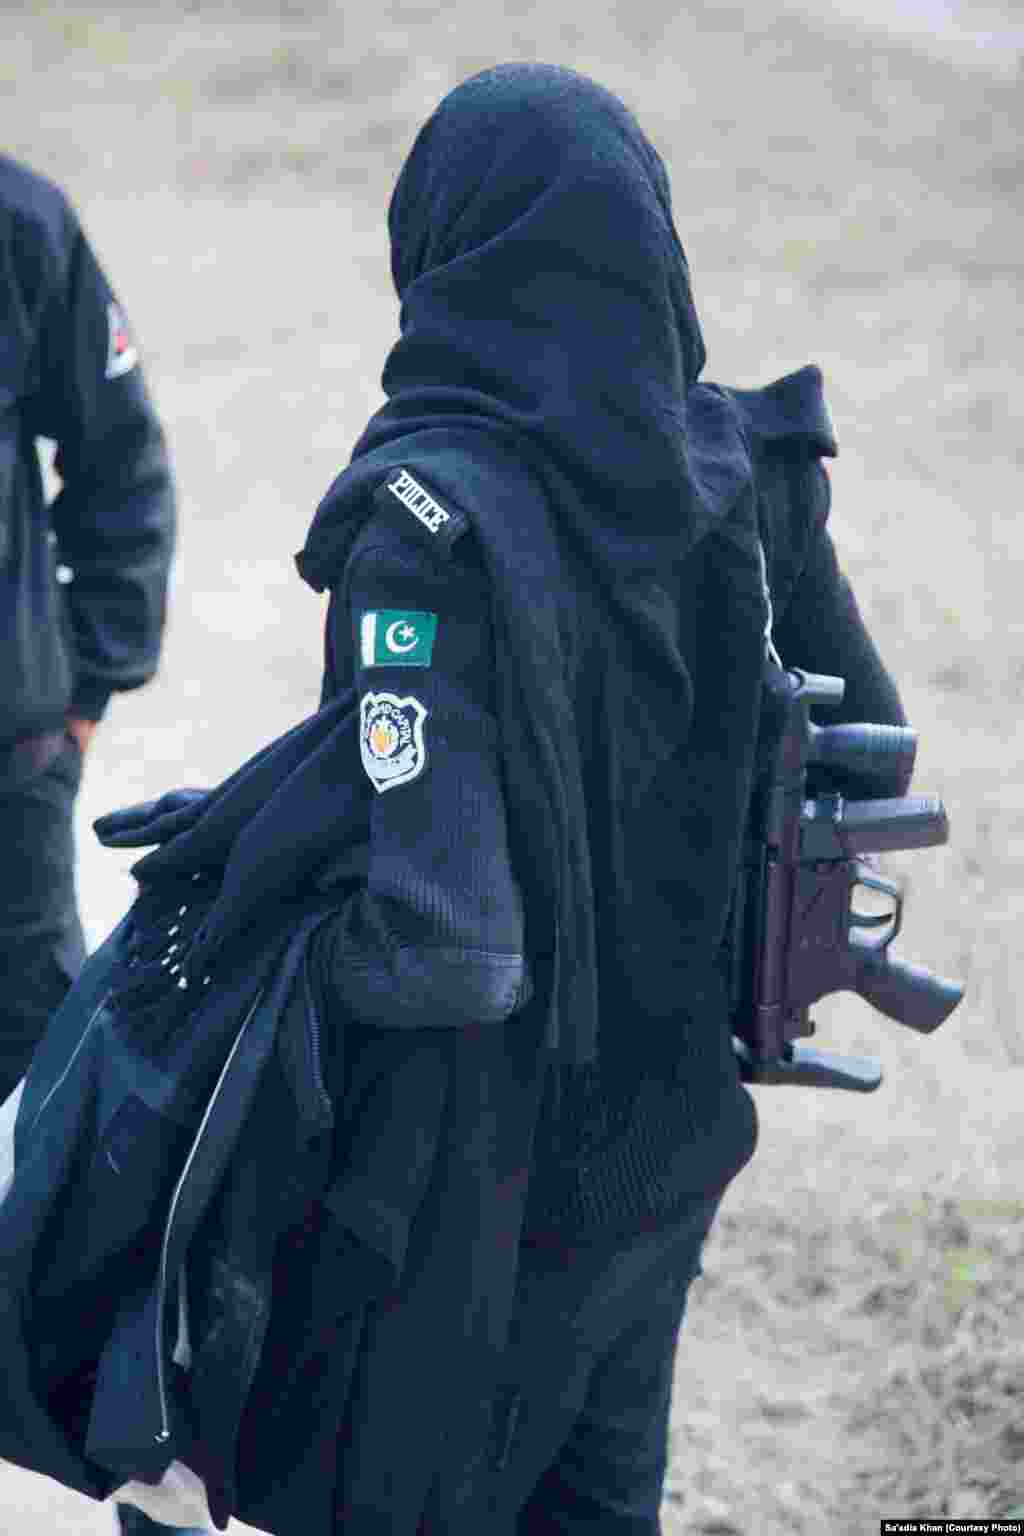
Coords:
834,828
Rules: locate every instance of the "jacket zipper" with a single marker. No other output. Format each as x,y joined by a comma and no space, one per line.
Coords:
72,1059
314,1032
165,1426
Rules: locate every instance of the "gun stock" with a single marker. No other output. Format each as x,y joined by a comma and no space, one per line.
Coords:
804,1066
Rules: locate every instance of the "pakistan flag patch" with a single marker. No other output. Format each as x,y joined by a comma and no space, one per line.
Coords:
393,637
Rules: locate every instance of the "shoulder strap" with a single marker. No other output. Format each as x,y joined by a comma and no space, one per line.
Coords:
417,511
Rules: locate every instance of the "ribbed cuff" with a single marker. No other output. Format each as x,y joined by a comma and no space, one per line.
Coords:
684,1138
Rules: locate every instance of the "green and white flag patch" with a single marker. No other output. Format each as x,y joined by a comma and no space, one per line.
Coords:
393,637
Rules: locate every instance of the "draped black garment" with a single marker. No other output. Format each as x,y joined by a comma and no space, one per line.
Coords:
544,380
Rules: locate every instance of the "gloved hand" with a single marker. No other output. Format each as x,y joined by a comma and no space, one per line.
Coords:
152,821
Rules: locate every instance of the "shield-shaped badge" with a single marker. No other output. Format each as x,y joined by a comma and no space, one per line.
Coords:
121,353
391,739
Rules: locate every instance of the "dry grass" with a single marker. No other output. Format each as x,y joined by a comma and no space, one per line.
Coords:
875,1368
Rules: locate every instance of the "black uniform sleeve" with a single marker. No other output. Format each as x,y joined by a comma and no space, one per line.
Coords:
434,935
822,631
114,516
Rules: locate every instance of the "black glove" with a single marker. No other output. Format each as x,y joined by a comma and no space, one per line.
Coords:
152,821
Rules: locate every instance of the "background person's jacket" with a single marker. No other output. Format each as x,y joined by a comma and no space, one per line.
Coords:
69,372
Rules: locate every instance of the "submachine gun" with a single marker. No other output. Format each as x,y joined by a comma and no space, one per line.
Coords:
795,935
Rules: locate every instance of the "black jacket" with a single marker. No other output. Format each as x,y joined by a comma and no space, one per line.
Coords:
69,372
441,917
118,1158
545,391
437,932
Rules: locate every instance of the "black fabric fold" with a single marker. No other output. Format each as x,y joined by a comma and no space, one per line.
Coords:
233,865
791,410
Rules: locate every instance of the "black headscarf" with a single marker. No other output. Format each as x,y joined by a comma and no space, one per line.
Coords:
545,381
545,295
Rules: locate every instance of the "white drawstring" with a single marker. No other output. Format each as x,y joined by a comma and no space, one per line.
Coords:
769,644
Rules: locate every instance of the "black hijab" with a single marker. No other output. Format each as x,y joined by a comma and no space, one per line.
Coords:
546,296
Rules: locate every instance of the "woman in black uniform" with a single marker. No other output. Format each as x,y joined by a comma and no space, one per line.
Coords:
546,586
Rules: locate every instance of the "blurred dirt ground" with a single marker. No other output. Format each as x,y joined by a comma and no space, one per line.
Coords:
847,181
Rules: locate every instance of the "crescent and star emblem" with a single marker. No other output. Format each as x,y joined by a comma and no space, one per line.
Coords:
400,637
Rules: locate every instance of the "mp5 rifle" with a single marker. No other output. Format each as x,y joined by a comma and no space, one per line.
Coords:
795,935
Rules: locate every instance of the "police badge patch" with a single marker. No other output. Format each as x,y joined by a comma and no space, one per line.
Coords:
121,353
391,739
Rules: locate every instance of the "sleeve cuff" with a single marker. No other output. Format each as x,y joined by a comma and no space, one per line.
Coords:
89,700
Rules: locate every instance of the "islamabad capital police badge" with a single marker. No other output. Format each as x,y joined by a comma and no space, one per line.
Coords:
391,739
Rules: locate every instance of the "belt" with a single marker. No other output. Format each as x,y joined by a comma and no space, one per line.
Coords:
25,760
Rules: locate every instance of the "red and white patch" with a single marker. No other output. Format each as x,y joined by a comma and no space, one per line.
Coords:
121,353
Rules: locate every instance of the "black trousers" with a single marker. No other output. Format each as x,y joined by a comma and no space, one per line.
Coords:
42,947
581,1429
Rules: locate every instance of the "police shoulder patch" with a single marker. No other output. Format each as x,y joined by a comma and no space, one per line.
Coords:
414,508
391,739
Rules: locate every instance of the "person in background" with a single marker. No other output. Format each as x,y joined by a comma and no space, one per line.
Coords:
69,372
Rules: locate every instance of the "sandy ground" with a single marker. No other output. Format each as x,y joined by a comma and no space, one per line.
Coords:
847,181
